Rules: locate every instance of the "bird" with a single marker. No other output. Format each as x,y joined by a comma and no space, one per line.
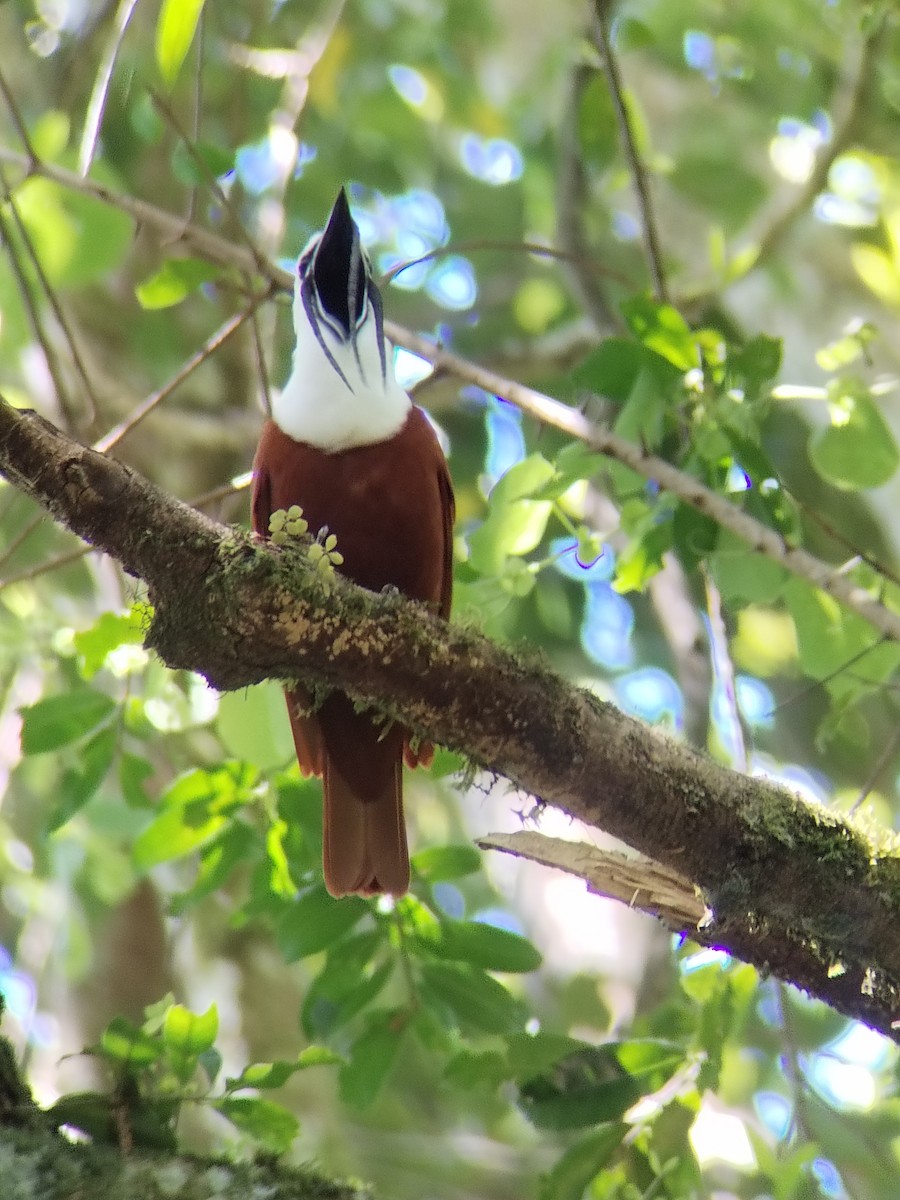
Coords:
346,443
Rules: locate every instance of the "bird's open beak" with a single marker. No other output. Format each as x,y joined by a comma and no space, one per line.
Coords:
339,269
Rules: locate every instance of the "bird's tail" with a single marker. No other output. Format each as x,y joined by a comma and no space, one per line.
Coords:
364,840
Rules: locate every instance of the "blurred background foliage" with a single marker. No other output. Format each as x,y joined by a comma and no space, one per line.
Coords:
498,1033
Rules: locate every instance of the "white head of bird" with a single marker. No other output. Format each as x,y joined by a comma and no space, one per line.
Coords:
342,391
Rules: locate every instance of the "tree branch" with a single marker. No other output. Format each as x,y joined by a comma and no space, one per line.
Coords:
543,408
792,887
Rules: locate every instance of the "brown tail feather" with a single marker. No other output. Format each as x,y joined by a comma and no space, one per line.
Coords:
364,840
307,735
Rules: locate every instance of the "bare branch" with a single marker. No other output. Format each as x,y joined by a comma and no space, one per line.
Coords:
631,879
630,149
31,307
209,347
571,192
54,302
758,536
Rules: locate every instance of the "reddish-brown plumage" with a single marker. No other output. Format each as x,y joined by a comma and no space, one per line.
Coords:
390,505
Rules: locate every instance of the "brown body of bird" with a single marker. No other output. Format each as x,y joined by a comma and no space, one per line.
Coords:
346,444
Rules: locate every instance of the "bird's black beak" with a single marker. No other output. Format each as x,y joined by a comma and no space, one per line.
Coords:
339,269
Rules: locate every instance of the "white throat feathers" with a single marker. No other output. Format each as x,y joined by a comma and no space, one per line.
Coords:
341,393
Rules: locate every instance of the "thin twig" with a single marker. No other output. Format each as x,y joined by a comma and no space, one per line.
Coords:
197,102
261,368
571,203
209,347
94,116
24,533
875,774
216,249
537,249
679,483
31,308
826,679
847,107
52,300
631,152
212,183
64,560
18,120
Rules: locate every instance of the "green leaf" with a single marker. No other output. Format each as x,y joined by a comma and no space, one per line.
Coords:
597,123
695,535
134,772
316,920
663,329
237,845
642,417
858,449
268,1123
756,363
61,720
192,811
828,636
469,1069
722,185
127,1044
509,529
176,279
108,632
371,1058
515,523
643,558
531,1054
597,1084
476,999
79,784
439,863
253,725
276,1074
78,239
186,169
740,574
581,1163
610,370
486,946
189,1034
328,1008
175,31
524,479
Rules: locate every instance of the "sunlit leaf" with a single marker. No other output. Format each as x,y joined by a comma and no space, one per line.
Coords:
129,1045
315,920
80,783
437,863
581,1163
61,720
486,946
478,1001
663,329
372,1057
253,725
192,811
266,1122
175,279
109,631
175,29
858,449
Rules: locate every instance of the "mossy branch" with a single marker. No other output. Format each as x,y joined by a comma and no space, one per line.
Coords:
790,886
